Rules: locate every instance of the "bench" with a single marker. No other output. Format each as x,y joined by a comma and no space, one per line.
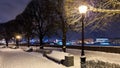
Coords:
3,46
29,49
13,47
61,58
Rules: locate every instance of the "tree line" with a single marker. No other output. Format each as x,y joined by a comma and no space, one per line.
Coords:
43,18
40,18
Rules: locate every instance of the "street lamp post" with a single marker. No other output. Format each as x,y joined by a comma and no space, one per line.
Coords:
18,37
83,10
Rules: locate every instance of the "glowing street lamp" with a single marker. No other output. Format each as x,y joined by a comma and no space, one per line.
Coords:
83,10
18,37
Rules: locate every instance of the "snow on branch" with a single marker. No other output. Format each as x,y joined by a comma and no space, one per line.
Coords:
104,10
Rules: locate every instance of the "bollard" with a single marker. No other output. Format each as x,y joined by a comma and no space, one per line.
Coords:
83,61
69,61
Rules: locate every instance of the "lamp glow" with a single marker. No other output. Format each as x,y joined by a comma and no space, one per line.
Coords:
18,37
83,9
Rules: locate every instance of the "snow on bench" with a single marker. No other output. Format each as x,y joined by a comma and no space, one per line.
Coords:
29,49
14,47
3,46
57,56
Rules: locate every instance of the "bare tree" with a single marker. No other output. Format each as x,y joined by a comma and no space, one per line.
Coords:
42,14
26,25
7,31
100,13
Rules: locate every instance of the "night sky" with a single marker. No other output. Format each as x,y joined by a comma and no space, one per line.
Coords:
10,8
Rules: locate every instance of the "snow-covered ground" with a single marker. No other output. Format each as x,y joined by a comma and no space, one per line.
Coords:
93,55
17,58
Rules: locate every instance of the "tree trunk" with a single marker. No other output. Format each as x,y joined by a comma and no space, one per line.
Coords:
17,43
41,43
28,41
6,40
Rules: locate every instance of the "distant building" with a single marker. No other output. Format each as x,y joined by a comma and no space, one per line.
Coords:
115,41
89,41
102,41
86,41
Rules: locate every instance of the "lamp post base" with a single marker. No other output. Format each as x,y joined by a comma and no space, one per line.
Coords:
64,48
83,61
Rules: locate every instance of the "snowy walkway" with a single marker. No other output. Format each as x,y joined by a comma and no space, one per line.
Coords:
92,55
16,58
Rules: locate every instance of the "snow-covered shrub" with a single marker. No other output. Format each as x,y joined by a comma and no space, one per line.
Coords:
101,64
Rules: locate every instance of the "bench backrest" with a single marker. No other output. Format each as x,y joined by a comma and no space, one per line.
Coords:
60,53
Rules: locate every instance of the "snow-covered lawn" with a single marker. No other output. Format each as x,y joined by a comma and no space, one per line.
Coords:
17,58
103,56
93,55
101,64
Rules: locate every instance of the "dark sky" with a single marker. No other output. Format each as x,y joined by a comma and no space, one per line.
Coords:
111,31
10,8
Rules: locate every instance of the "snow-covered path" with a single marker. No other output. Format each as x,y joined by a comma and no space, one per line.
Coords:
103,56
16,58
92,55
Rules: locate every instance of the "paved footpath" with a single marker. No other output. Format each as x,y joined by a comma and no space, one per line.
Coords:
16,58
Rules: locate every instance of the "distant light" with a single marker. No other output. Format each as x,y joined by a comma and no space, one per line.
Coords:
46,40
18,37
68,43
56,41
103,43
102,40
60,43
33,40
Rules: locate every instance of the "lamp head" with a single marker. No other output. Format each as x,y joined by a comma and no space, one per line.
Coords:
18,37
83,9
